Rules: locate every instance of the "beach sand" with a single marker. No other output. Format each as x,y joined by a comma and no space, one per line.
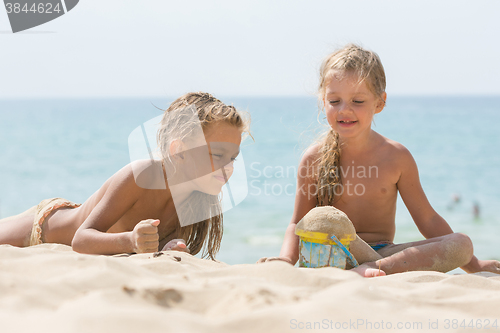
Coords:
50,288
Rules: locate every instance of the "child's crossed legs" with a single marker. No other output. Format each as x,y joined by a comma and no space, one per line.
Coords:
442,254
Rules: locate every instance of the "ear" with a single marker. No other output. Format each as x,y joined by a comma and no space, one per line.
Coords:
176,148
381,102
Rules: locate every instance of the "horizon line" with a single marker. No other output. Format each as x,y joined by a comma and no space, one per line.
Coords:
97,97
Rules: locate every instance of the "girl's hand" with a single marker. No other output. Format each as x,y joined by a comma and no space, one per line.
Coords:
176,245
145,237
265,259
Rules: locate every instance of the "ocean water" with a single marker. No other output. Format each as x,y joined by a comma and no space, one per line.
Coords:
68,148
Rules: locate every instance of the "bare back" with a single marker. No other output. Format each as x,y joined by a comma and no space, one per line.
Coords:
116,207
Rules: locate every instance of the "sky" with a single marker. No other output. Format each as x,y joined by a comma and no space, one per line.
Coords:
132,48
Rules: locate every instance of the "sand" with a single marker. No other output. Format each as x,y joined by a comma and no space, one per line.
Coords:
50,288
328,220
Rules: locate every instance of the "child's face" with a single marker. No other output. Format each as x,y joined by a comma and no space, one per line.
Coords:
223,142
350,106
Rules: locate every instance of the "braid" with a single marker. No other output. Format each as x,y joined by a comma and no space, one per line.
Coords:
328,166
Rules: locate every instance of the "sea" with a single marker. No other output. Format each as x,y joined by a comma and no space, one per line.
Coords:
69,147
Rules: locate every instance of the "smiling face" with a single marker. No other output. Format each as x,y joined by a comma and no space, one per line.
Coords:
350,105
223,142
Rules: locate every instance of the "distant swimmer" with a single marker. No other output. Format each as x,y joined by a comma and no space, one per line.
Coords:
476,210
455,200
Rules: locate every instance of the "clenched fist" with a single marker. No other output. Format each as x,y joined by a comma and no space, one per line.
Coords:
145,236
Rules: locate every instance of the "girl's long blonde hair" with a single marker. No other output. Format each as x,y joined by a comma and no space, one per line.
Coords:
366,65
207,234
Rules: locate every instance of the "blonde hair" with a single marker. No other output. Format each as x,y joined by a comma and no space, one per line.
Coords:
207,234
366,65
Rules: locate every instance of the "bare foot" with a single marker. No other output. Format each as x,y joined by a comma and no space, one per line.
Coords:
367,271
489,266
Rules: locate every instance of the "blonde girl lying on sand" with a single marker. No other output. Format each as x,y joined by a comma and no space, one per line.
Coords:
352,91
136,210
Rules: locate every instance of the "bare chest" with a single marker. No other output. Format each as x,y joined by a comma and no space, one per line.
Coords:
372,178
368,194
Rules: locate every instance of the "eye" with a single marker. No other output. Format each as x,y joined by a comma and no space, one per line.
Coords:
333,102
233,159
359,102
218,156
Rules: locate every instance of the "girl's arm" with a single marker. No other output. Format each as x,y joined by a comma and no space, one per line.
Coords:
429,222
305,200
120,196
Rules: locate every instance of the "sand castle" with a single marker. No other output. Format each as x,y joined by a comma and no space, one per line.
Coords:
329,220
325,234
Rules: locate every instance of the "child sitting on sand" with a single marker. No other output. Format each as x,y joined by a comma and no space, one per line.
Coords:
360,172
139,208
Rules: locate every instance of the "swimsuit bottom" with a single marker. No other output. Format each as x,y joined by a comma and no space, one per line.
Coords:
379,245
43,210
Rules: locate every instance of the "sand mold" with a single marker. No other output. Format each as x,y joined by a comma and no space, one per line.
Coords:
328,220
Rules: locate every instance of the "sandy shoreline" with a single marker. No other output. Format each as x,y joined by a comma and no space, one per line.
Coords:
51,288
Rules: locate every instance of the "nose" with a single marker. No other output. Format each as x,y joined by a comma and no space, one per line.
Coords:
344,107
229,168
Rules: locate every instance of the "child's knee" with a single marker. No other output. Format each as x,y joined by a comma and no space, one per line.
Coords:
460,248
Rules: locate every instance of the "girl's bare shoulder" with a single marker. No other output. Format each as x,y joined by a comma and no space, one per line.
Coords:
310,157
394,150
312,153
145,174
128,178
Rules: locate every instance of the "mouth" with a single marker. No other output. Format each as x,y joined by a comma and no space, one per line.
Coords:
347,122
220,178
